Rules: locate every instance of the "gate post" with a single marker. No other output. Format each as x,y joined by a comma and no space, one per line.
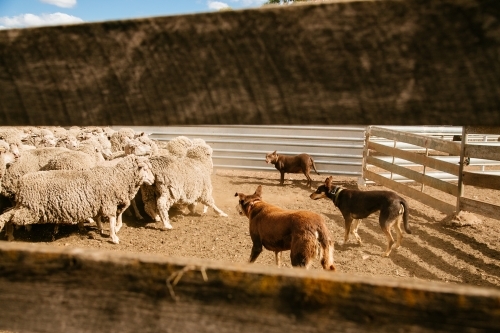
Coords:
461,167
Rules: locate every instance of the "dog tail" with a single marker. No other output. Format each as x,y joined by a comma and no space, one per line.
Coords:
326,248
406,214
314,166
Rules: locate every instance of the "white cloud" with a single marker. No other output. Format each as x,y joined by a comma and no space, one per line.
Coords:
61,3
217,5
250,3
31,20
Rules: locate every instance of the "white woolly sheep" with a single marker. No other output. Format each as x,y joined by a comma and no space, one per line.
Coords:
144,139
6,158
68,141
74,160
185,180
177,148
73,196
29,161
118,138
39,137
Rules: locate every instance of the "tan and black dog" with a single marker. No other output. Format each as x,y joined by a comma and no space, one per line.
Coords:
356,205
278,230
292,164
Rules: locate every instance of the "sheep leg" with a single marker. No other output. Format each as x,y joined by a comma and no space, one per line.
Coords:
192,208
277,255
112,230
81,227
150,208
164,203
99,224
211,203
9,231
119,221
136,210
5,223
149,199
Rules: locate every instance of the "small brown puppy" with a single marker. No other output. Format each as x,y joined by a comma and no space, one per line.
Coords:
356,205
292,164
279,230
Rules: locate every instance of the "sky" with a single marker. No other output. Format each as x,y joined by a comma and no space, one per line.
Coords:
29,13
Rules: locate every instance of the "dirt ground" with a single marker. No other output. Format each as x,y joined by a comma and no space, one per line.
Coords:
435,251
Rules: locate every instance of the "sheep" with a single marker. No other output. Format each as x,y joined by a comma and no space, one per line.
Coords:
144,139
14,137
74,196
68,141
6,158
97,140
39,137
176,147
29,161
184,180
137,148
118,138
10,147
74,160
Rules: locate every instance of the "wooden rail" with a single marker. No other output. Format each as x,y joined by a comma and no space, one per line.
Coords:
464,150
50,289
425,161
479,179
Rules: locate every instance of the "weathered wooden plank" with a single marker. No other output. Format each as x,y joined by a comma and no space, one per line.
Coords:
414,175
49,289
359,62
479,207
410,192
453,148
428,161
482,130
481,180
482,151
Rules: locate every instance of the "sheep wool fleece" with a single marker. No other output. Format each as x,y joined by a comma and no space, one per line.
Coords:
72,196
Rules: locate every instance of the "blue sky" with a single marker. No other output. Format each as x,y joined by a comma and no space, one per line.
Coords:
28,13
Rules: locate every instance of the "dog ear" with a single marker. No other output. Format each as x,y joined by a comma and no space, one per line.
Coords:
258,191
274,153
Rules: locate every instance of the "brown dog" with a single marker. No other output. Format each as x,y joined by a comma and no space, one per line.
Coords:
279,230
292,164
356,205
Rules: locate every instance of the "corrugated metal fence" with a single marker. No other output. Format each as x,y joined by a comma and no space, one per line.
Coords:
335,149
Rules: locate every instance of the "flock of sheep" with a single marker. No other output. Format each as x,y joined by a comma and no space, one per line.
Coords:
72,176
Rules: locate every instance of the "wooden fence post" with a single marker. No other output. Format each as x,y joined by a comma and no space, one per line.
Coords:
461,168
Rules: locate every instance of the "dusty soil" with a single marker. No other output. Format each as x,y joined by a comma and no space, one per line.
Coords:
435,251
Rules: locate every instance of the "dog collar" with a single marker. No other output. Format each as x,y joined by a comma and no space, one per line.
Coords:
337,196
